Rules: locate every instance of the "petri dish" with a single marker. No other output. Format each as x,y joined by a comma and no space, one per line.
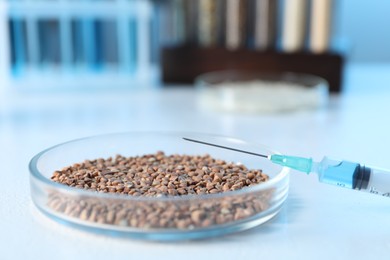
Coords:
113,214
253,92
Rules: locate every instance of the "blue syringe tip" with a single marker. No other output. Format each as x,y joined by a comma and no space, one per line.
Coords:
293,162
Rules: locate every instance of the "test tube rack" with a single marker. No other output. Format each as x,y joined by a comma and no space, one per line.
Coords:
68,44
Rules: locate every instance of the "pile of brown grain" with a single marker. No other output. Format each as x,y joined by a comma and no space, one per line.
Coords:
159,175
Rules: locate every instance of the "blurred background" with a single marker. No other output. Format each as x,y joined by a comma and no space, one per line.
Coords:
76,68
117,43
79,66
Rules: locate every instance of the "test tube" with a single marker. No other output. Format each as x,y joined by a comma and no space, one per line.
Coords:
235,23
207,23
265,24
294,25
178,21
190,21
320,25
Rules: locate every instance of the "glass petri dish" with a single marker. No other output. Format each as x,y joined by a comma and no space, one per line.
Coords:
253,92
131,216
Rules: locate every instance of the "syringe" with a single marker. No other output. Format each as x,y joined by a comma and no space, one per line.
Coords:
337,172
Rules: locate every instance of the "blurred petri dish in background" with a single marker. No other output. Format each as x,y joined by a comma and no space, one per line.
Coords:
252,92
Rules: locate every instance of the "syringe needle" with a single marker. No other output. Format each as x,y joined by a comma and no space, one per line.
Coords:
297,163
225,147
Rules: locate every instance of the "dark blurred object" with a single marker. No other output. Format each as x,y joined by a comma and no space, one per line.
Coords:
252,40
183,64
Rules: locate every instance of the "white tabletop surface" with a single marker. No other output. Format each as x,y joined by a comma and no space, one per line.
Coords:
318,221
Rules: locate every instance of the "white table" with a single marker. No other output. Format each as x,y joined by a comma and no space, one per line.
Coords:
318,221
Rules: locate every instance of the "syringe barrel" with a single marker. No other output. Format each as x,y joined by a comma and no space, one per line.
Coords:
336,172
354,176
374,180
